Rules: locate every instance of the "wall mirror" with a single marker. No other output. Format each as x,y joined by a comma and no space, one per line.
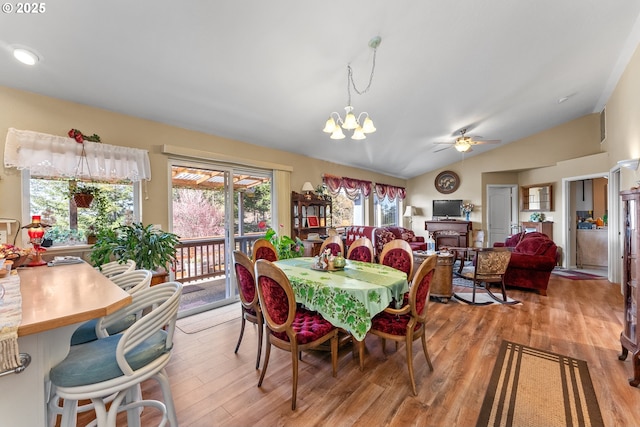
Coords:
538,197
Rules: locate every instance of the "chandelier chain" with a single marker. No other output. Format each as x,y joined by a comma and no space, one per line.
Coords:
351,82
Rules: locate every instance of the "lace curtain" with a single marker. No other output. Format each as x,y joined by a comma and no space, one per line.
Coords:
352,187
391,192
57,156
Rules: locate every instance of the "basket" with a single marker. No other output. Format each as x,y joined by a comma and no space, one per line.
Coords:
83,200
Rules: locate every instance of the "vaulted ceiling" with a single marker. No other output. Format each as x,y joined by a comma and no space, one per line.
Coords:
271,72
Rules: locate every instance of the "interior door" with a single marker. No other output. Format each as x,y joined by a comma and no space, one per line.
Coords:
501,202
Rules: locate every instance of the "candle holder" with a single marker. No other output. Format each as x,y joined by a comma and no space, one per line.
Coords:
35,230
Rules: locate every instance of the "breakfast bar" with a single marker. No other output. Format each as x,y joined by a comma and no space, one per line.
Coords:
55,300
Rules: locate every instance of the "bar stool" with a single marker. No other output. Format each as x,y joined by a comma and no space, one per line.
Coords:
117,364
114,268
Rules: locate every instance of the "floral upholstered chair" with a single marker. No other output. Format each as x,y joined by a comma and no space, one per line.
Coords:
398,254
290,327
263,249
361,250
407,324
248,298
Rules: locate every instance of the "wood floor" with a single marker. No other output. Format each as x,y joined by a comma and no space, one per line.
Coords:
212,386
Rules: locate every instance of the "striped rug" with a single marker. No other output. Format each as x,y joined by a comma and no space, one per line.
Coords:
531,387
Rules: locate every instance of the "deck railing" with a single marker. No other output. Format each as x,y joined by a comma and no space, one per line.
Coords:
204,258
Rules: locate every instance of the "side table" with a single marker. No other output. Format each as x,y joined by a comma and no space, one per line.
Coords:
442,282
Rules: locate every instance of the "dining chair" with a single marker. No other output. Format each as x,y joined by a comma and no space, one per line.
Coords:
110,369
132,282
408,323
248,298
290,327
361,250
490,266
113,268
398,254
334,243
263,249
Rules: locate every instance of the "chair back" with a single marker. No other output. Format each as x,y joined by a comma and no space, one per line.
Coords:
361,250
334,243
160,307
133,281
263,249
398,254
112,268
492,263
277,300
421,288
246,283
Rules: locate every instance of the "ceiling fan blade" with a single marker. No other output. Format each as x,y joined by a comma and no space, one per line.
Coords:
486,141
442,148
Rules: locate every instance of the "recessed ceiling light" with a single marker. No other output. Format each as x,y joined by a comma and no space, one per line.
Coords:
25,56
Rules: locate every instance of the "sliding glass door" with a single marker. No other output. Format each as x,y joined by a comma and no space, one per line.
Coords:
215,210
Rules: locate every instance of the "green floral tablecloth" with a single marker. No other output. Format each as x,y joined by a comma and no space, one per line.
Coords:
348,298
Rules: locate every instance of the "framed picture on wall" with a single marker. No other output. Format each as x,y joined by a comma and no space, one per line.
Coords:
312,220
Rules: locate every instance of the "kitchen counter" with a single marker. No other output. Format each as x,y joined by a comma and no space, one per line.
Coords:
592,247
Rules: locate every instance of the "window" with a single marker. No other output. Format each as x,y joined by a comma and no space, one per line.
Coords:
386,213
114,204
346,212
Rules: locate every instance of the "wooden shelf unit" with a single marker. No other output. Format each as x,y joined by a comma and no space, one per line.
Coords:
630,335
302,208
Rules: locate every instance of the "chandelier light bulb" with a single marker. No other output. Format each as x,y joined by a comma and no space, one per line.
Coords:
330,126
337,133
462,146
358,134
350,121
367,126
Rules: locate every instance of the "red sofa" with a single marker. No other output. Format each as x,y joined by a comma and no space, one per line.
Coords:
379,236
532,260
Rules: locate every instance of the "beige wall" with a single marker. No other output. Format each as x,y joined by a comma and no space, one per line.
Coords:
24,110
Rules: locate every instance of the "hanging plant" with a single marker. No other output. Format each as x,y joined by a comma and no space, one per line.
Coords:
82,194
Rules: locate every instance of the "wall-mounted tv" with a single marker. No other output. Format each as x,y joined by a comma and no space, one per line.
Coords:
447,208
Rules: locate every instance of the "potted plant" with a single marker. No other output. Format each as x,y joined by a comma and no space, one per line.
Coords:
83,194
151,248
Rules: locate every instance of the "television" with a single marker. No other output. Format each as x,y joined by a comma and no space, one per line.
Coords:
447,208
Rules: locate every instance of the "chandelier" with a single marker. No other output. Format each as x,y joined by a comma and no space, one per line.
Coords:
362,123
463,142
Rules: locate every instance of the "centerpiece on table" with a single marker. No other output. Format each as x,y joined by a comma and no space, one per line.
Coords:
327,261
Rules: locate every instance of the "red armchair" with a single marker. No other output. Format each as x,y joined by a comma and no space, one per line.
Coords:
532,260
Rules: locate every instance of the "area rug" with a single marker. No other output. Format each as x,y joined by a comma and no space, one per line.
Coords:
531,387
208,319
577,275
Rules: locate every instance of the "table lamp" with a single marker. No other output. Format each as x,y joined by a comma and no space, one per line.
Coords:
307,189
35,230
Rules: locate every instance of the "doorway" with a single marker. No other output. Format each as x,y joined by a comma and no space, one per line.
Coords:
586,201
215,210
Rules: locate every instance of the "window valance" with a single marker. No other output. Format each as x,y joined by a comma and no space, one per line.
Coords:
352,187
391,192
58,156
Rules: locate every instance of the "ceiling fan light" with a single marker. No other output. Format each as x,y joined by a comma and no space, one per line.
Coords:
337,133
329,126
462,146
367,126
358,134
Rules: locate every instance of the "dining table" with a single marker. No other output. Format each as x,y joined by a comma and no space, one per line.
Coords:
348,298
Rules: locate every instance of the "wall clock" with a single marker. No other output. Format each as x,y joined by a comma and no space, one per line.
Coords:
447,182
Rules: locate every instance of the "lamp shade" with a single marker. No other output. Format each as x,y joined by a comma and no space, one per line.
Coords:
307,187
409,211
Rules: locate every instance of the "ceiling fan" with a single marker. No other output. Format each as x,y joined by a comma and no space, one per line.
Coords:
463,143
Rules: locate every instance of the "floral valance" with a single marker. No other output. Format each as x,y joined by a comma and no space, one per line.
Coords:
352,187
391,192
59,156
